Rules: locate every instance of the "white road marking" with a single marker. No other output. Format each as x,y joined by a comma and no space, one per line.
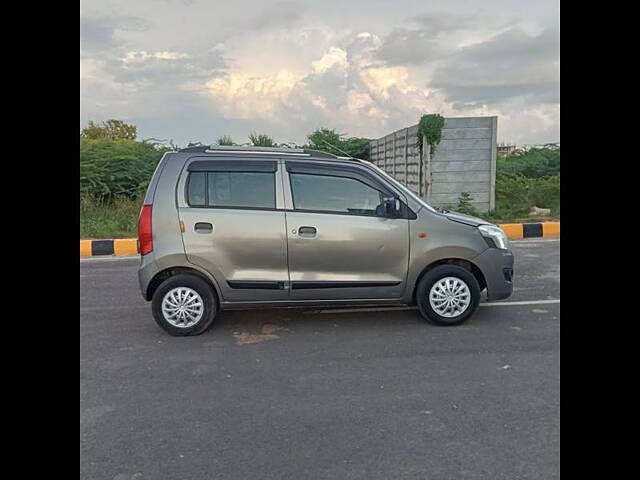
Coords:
523,302
107,258
352,310
525,241
341,310
394,309
114,307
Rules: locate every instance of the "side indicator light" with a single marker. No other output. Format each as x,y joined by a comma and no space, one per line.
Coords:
422,235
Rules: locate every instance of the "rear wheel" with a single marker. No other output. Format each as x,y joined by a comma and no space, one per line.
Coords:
184,305
447,295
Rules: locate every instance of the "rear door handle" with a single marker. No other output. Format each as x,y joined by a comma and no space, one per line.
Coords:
203,227
307,232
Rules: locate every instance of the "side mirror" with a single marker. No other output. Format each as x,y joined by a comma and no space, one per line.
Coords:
392,207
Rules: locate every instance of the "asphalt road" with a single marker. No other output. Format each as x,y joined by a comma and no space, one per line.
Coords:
294,394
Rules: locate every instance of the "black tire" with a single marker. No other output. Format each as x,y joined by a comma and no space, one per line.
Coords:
206,292
430,278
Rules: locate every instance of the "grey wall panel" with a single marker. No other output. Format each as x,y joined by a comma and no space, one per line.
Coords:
464,161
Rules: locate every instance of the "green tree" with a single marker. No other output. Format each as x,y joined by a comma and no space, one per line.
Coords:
328,140
112,168
111,129
261,140
225,140
357,147
536,162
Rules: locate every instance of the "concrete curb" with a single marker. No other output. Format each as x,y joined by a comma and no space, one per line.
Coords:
120,246
129,246
531,230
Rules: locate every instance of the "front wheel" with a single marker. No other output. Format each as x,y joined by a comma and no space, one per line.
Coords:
447,295
184,305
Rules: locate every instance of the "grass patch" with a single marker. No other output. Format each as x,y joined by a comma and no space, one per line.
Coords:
117,218
516,195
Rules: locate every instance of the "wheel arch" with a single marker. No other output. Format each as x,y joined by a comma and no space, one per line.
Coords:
162,275
461,262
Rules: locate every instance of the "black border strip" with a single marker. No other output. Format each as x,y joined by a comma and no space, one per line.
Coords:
311,285
531,230
242,166
255,285
101,247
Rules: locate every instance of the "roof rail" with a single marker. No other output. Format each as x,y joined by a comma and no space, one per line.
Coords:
233,149
198,149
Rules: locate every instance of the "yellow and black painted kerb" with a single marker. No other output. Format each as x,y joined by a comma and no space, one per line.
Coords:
531,230
129,246
120,246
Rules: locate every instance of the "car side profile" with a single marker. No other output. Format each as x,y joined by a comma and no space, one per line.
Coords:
246,227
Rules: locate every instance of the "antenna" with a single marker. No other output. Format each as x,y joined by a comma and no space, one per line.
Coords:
339,149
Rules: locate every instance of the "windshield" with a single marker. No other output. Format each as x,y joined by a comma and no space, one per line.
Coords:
403,189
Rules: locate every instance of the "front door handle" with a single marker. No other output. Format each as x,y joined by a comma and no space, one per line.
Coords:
307,232
203,227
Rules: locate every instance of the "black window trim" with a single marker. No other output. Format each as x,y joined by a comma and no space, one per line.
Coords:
240,165
345,171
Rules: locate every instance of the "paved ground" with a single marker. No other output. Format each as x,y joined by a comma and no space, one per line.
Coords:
289,394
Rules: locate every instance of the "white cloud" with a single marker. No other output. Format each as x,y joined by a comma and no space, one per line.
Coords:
141,56
242,96
340,89
335,57
286,68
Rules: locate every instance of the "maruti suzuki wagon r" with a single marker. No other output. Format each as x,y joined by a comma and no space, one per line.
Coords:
246,227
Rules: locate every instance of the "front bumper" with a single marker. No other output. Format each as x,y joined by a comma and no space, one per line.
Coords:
497,267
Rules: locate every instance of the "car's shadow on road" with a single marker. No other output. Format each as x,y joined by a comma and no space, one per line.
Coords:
257,326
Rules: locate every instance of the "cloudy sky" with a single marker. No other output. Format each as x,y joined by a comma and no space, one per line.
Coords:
193,70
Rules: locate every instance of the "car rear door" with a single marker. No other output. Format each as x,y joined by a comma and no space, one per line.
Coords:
233,218
339,244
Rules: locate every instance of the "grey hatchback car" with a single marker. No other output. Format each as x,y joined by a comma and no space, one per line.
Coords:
246,227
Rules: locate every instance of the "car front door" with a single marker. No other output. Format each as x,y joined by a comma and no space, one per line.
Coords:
340,243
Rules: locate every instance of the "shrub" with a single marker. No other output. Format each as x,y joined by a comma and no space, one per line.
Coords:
261,140
110,168
536,162
516,195
430,126
328,140
464,205
113,129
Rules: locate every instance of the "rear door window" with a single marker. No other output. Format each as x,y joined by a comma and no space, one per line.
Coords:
235,189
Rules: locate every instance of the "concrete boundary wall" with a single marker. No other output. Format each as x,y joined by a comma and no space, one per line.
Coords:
465,161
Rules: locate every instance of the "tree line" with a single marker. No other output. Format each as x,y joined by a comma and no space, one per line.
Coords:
113,162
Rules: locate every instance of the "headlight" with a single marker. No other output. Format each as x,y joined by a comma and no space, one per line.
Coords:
494,235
